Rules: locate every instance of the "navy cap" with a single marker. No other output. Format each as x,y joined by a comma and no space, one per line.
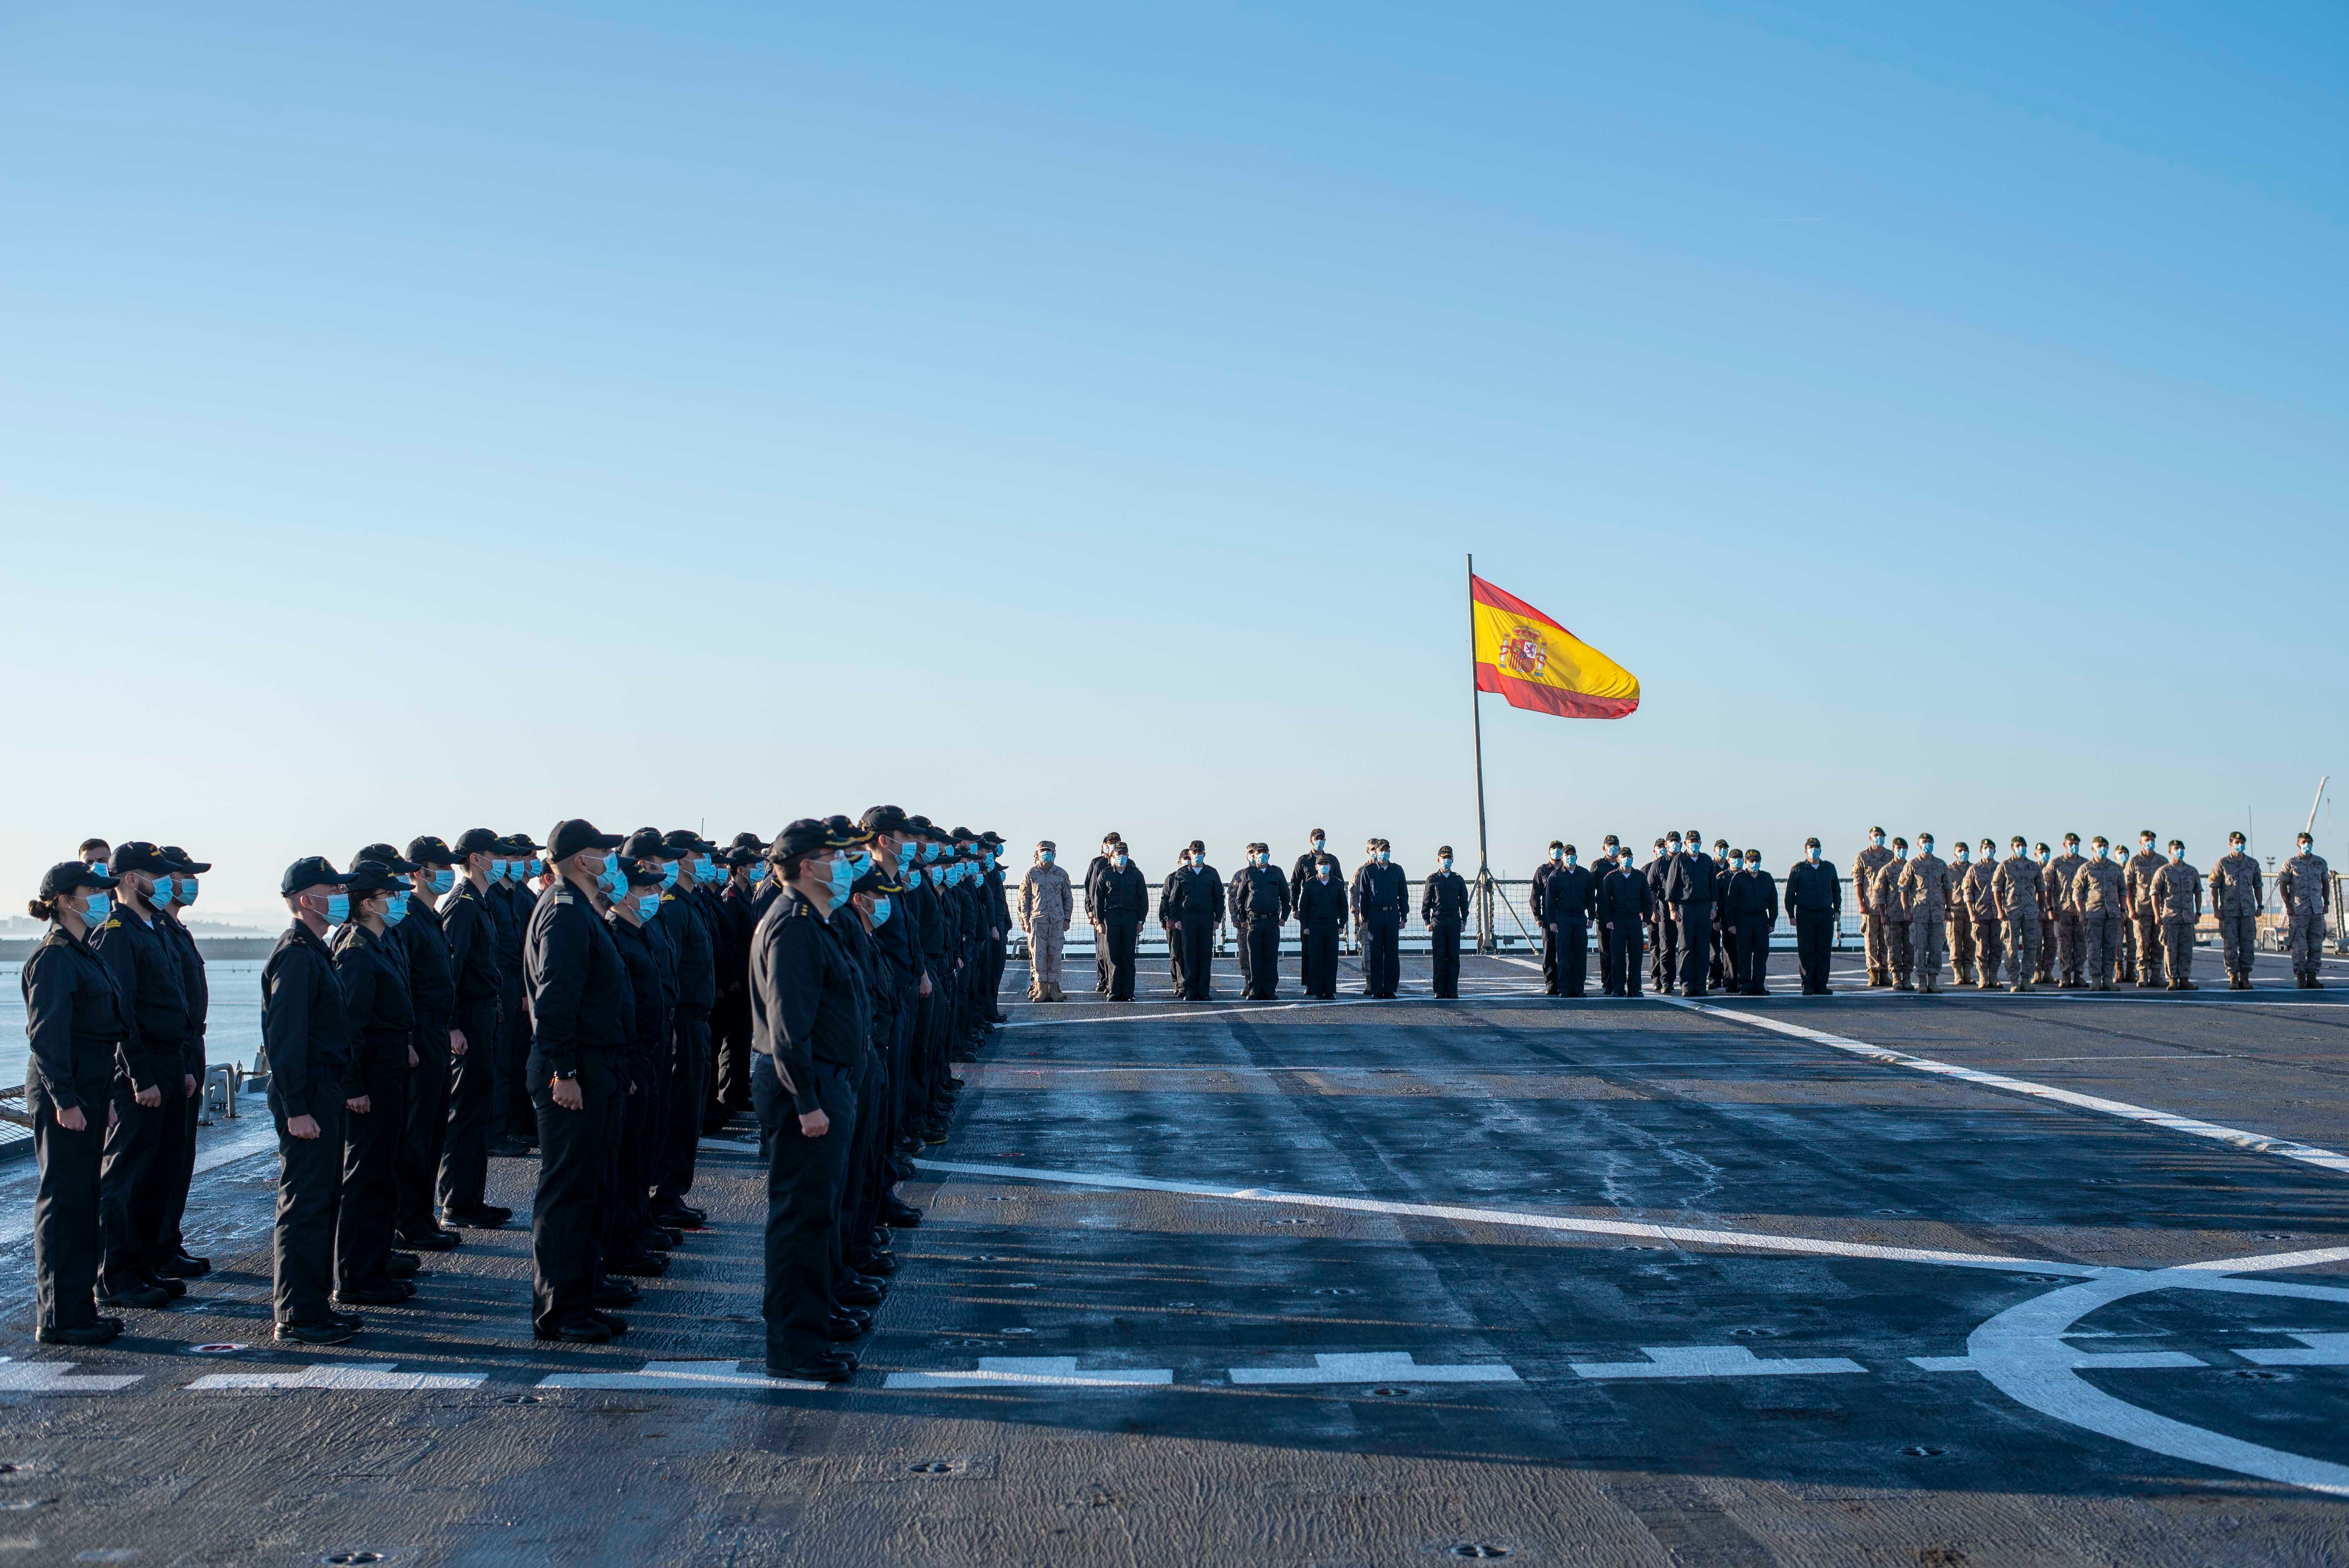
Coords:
922,822
869,882
429,851
644,873
138,856
573,834
71,876
755,845
373,876
474,842
882,819
181,864
384,857
645,844
522,841
309,871
806,834
685,842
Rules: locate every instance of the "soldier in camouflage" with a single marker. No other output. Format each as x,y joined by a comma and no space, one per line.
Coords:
2046,971
1962,914
2305,886
2017,888
1979,893
1925,891
1046,907
2177,894
1864,866
2100,900
1891,913
2236,894
2066,867
2144,925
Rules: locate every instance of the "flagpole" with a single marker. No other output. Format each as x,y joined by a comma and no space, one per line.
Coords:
1476,720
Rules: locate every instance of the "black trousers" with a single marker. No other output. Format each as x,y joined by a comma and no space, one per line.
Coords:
859,1198
1381,955
1752,953
427,1130
1813,936
803,1178
1261,946
1549,959
1723,969
1117,945
65,1205
1606,939
1174,961
622,1215
1101,959
1620,974
1695,925
310,1202
371,1166
574,1153
1664,957
730,1025
1198,948
1444,954
126,1184
688,1087
473,1089
1316,962
176,1169
1573,940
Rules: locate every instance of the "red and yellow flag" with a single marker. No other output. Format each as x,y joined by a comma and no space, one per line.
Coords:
1535,663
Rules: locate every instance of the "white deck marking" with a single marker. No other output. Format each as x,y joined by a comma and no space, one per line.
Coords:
2256,1142
2021,1352
677,1374
1377,1367
2324,1350
1031,1372
1683,1235
56,1378
368,1376
1713,1361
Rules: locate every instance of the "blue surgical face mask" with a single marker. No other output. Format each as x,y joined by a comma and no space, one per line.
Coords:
520,870
647,905
1117,860
709,872
1045,859
758,871
159,894
1569,859
1382,857
497,868
185,890
880,910
1877,840
1557,855
396,909
97,866
844,875
443,879
2102,852
1322,870
1317,846
536,865
1443,862
100,907
938,876
929,850
612,882
1898,853
1812,852
668,874
338,908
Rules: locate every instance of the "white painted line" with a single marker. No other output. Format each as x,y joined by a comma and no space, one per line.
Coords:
1713,1361
368,1376
2256,1142
2122,1360
1682,1236
2324,1350
677,1374
56,1378
1379,1366
1031,1372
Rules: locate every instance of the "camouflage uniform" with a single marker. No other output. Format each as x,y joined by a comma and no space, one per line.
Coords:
2045,974
1962,923
2017,887
2175,893
1890,910
2306,885
1925,888
2066,867
1046,907
2144,925
1979,893
2100,900
1864,866
2235,893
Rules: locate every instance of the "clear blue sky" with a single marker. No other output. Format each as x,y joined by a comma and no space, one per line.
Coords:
1060,419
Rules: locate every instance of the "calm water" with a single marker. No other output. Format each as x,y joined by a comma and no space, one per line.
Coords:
232,1034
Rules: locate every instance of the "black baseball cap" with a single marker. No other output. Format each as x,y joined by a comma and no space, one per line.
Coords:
644,871
882,819
573,834
750,842
685,842
807,833
645,844
309,871
475,841
373,876
71,876
139,856
385,857
429,851
180,864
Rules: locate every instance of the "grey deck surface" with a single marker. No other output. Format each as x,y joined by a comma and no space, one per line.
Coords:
1862,1214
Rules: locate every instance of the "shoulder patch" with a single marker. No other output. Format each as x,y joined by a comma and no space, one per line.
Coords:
668,898
111,926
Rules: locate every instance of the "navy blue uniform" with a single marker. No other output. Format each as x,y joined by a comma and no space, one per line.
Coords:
306,1037
75,1025
1381,902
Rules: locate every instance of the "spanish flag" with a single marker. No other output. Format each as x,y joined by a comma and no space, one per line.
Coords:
1535,663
